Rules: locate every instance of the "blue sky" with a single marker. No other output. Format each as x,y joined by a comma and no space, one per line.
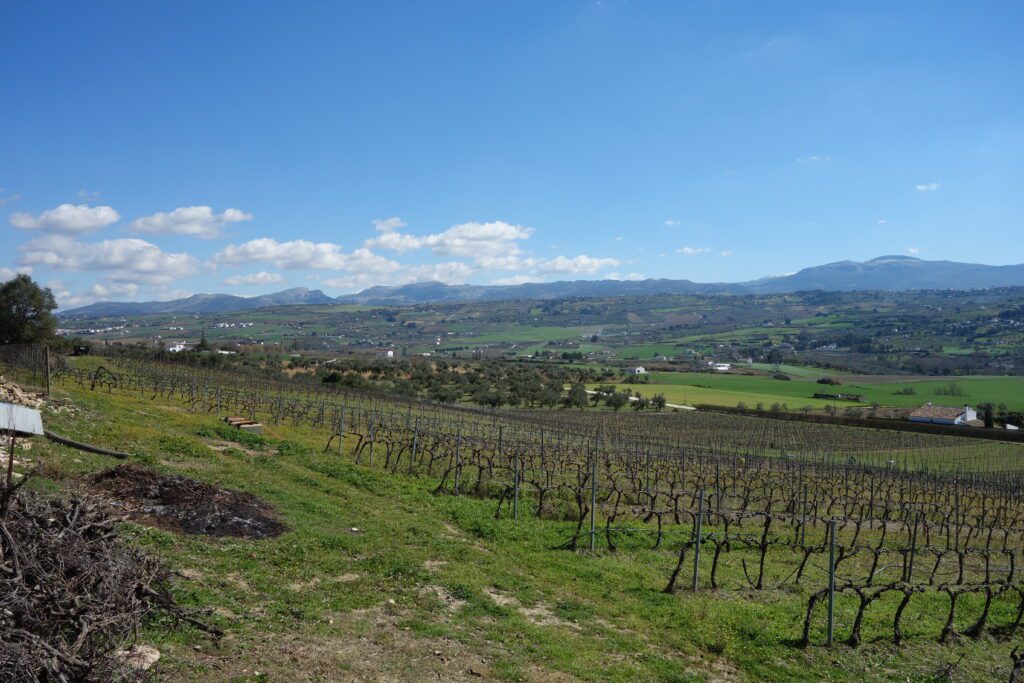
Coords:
151,150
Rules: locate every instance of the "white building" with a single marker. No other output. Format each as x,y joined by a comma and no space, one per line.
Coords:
637,371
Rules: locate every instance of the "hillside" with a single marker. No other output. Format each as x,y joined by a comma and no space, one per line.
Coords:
385,573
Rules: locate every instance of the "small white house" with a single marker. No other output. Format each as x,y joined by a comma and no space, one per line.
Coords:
722,367
387,353
180,346
637,371
944,415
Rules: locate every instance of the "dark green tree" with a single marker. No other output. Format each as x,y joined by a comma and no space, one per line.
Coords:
26,312
617,399
988,414
577,397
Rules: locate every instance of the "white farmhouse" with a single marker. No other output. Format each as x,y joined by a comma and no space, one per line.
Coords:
944,415
637,371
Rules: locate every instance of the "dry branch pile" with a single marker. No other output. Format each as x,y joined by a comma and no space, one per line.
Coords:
72,594
184,504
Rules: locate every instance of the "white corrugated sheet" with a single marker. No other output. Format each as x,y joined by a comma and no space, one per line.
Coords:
20,419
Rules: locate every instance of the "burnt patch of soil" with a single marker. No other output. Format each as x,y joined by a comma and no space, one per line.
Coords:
183,504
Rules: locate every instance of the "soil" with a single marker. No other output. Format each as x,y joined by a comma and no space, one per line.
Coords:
183,504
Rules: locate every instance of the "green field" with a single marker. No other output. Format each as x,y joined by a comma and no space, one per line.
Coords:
526,333
729,389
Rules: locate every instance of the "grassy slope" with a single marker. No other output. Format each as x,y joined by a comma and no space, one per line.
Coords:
407,597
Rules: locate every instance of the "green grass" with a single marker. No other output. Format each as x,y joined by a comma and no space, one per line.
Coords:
525,333
324,602
801,371
729,389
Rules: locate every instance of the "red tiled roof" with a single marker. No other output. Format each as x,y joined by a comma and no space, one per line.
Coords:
938,412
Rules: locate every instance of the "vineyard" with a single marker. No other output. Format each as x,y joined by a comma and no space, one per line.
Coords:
868,525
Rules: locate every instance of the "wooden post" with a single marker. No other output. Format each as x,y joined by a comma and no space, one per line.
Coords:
515,488
341,431
373,437
593,501
458,459
10,458
913,549
46,360
831,581
696,545
415,442
803,523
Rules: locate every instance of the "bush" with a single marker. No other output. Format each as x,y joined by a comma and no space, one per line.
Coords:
781,375
834,381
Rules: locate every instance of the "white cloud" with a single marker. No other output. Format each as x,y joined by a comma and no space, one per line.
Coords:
88,196
882,221
578,265
813,159
292,255
363,260
471,240
628,277
388,224
9,273
452,272
9,198
67,219
513,280
913,251
305,255
671,223
261,278
113,290
126,260
693,251
199,221
928,187
617,238
726,253
69,299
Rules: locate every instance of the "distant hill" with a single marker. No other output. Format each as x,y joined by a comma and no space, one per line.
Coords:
422,292
892,273
882,273
203,303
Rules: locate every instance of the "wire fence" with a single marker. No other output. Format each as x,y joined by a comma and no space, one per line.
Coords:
26,364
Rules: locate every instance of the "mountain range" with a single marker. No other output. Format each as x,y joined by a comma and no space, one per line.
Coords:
883,273
204,303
